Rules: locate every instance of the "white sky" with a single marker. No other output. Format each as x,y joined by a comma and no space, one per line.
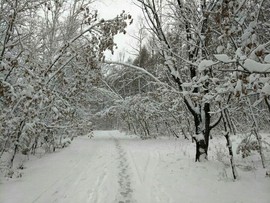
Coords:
110,9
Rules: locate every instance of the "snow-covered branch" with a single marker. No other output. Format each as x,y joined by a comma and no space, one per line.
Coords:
135,68
59,69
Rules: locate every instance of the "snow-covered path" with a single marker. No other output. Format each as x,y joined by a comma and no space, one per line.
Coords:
83,172
113,168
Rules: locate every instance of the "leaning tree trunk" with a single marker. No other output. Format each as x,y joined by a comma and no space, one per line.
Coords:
16,147
259,140
256,133
229,143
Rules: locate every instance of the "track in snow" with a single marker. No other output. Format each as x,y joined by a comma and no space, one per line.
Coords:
124,181
114,168
83,172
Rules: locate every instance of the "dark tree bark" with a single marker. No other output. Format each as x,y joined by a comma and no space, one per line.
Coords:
16,147
229,144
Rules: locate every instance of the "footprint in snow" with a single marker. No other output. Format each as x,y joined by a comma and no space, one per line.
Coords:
125,191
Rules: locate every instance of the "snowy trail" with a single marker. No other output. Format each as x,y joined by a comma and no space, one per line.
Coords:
125,192
83,172
115,168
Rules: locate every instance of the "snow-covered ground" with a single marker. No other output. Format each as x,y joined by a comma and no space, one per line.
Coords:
115,168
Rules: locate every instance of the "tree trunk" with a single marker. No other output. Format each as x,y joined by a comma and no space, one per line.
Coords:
4,148
147,128
34,146
184,133
201,148
143,128
257,135
229,122
16,144
229,144
134,129
202,126
259,139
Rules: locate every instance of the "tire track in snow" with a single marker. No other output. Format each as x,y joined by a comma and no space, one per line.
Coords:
125,191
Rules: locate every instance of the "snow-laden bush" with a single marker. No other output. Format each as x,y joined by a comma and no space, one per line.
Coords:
65,142
246,146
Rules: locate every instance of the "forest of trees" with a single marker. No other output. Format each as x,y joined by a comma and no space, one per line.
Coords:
50,61
201,69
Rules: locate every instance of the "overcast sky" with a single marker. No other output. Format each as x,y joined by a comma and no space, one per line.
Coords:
109,9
